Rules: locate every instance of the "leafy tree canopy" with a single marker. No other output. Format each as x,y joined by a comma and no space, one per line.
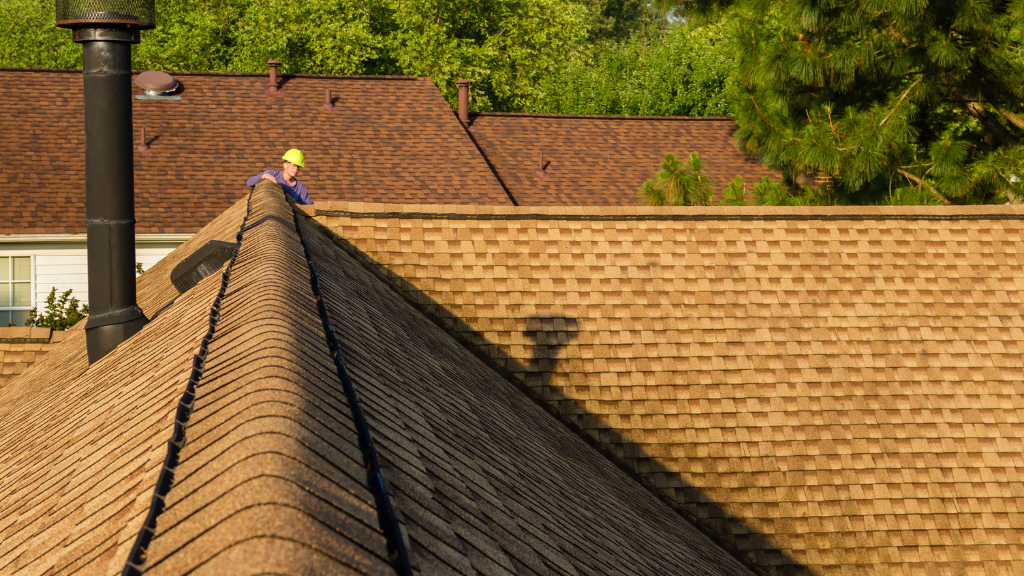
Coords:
897,100
503,45
568,56
673,70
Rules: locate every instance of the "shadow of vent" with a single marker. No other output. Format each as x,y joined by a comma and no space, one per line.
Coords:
550,335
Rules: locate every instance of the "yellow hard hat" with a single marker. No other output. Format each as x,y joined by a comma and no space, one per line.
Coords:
294,156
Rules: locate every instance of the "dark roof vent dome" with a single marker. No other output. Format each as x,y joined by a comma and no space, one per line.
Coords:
156,83
201,263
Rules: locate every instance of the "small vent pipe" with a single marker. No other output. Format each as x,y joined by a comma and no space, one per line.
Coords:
106,29
143,147
274,87
463,100
540,171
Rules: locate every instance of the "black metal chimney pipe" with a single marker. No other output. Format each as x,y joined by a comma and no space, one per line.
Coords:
107,29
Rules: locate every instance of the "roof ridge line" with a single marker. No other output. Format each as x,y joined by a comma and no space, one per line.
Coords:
397,552
539,215
136,561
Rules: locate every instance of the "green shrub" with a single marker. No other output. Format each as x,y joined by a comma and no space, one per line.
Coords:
61,313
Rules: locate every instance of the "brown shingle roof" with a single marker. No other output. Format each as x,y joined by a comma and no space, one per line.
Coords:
20,347
836,389
390,139
603,160
484,481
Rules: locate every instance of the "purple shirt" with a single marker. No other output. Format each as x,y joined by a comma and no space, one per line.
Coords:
297,192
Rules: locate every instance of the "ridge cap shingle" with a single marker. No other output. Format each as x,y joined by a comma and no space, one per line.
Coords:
364,209
239,358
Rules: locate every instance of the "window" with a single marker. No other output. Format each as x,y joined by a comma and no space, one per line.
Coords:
15,289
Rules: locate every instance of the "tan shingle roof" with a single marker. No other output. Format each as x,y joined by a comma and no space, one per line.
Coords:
603,160
81,446
835,388
271,477
483,480
389,139
20,347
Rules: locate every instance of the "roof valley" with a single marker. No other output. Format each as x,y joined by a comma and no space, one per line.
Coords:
490,165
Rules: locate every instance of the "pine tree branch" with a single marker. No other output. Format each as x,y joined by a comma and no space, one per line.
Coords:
894,106
921,182
997,130
1011,117
896,34
761,114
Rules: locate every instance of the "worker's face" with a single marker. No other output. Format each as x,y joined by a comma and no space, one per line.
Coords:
290,170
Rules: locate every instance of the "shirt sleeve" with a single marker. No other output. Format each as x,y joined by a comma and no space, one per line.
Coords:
252,181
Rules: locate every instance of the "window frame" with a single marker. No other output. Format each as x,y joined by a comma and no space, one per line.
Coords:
32,281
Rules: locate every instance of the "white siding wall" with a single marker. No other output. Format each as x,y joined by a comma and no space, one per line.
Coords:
63,265
61,269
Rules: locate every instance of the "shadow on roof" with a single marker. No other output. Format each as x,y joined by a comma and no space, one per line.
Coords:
550,334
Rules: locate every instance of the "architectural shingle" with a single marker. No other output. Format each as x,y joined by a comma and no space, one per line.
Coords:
20,347
603,160
833,389
389,139
483,480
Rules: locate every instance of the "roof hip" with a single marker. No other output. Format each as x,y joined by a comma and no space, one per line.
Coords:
135,563
266,204
375,477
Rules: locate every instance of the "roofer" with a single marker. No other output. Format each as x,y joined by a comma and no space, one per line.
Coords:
287,177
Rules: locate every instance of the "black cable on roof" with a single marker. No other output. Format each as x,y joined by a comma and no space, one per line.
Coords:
136,561
397,552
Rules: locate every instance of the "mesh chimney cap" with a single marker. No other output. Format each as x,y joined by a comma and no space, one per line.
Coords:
156,83
133,14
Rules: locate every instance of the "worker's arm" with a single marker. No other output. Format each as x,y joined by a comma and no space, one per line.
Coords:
266,175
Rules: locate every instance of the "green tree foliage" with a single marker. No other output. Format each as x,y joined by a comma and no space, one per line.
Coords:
570,56
769,192
30,39
61,313
619,19
678,184
680,70
504,46
885,97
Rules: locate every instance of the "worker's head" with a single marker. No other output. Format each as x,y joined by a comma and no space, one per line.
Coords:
293,160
